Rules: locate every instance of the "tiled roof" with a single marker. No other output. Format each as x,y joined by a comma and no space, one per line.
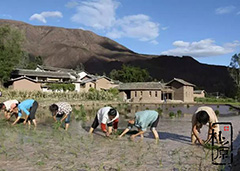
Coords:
33,73
50,68
143,86
181,81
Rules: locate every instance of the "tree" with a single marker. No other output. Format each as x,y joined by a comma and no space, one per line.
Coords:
11,41
29,61
234,70
130,74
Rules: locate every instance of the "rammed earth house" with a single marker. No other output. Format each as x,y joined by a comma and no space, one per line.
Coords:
38,79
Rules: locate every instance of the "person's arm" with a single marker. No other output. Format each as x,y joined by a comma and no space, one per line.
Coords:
65,116
124,132
26,118
115,125
103,127
195,132
54,118
6,115
141,132
16,120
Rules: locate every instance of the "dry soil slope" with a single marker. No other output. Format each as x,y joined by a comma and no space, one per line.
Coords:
68,47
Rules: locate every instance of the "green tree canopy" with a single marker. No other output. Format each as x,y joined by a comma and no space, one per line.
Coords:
234,71
10,50
29,61
130,74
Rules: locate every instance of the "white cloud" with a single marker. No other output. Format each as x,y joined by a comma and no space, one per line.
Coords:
202,48
225,10
164,28
135,26
154,42
99,14
72,4
6,16
42,16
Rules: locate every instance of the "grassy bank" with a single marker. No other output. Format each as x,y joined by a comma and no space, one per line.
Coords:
214,100
93,95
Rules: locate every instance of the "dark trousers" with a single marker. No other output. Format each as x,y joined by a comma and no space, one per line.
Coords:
33,110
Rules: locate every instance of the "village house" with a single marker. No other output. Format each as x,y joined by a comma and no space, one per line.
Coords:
183,90
145,92
199,93
98,83
38,79
177,90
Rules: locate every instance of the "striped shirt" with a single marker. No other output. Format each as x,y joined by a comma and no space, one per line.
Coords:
63,108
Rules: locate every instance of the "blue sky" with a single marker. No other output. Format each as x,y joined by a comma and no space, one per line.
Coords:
207,30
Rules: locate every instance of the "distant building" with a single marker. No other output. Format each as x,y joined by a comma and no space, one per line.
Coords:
98,83
199,93
145,92
38,79
183,90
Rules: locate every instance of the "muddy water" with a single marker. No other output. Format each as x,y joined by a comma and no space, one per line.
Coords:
50,149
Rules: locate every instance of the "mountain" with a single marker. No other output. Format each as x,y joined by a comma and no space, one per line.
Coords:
67,48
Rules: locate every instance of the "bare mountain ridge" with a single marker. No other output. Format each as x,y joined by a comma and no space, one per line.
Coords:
63,47
67,48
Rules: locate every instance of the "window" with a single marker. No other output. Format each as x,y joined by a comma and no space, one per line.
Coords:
150,93
141,93
90,85
156,94
135,94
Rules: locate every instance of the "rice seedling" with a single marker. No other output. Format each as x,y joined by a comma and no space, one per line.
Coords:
179,113
217,112
171,115
160,111
40,163
210,147
80,115
57,125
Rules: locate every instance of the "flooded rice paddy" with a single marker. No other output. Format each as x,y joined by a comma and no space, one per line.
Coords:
47,148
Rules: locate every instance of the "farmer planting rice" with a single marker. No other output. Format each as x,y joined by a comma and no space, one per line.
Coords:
29,107
202,116
6,107
143,120
61,111
107,117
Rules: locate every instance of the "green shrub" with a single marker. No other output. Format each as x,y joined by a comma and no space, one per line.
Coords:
59,87
171,115
217,112
160,111
179,113
113,91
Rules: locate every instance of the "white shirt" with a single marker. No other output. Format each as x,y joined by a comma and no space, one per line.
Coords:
9,103
210,112
102,115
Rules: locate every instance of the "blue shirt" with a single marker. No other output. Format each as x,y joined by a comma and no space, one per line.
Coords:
25,106
145,118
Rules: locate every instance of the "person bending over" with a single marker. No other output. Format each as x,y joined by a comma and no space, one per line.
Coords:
61,111
143,120
107,117
202,116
